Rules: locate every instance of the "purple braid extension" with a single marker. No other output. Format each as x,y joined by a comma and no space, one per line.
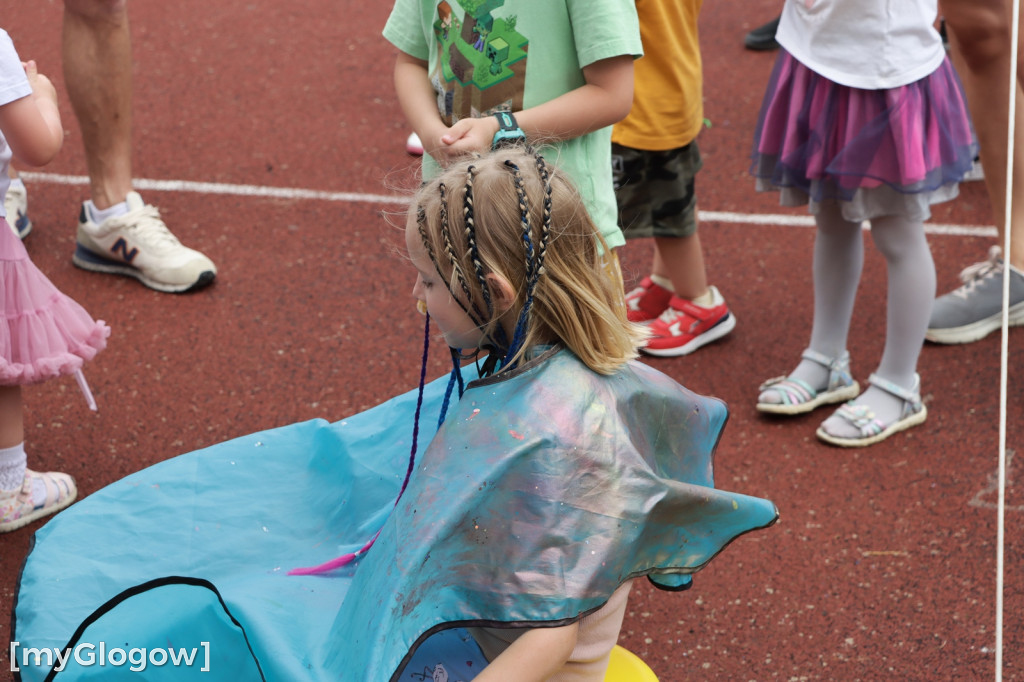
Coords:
346,559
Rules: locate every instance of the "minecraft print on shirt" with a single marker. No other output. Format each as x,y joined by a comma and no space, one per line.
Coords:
482,60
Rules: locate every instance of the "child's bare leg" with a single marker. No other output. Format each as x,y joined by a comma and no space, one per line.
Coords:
25,495
681,260
12,436
911,288
12,420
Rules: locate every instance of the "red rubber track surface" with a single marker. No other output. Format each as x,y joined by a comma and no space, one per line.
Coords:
883,565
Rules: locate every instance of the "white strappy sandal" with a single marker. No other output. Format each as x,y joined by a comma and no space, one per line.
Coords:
873,430
797,396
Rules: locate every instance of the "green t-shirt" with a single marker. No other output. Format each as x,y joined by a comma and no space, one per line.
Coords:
506,55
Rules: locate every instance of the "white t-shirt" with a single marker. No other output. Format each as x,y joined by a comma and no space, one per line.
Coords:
13,85
868,44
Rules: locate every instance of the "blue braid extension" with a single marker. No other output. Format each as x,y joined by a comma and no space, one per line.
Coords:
451,384
458,373
419,405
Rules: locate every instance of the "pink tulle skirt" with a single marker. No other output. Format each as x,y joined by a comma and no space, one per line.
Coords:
43,333
830,141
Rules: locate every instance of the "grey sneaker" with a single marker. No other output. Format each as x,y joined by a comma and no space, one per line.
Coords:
16,207
975,310
138,244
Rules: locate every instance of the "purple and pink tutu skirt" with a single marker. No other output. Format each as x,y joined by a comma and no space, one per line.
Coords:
43,333
878,152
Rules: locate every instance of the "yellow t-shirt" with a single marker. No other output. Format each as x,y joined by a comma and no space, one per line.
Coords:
668,106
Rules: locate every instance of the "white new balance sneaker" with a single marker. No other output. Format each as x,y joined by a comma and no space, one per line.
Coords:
138,244
16,207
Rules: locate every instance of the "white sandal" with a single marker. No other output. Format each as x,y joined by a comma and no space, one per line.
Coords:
797,396
17,508
863,418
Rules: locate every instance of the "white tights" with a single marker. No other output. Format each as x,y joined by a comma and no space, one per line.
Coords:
838,260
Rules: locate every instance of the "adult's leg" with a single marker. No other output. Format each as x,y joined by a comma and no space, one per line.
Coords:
980,49
980,46
118,233
97,72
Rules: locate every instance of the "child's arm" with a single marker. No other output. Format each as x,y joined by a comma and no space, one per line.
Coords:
31,125
605,99
418,100
534,656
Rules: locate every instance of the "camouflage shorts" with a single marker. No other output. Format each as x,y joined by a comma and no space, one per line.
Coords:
655,190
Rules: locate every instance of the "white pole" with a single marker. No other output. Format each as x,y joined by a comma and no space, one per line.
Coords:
1004,354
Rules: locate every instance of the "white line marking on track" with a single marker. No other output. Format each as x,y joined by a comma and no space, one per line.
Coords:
767,219
227,188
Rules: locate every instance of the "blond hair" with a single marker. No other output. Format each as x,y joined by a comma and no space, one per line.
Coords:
511,214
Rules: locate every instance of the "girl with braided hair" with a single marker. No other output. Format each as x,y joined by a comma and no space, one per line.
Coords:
502,546
516,285
509,264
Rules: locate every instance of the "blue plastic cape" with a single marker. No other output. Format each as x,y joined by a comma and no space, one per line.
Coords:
544,490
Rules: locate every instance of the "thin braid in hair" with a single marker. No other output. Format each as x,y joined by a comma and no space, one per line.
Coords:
531,265
524,216
498,336
446,237
474,249
545,232
421,226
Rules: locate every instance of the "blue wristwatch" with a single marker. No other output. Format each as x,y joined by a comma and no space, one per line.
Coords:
509,133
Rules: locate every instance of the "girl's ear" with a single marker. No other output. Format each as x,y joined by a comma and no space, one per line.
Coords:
502,293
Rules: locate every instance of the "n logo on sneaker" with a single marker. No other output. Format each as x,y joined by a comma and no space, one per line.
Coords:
122,246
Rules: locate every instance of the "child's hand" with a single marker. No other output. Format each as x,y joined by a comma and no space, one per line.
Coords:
467,136
41,85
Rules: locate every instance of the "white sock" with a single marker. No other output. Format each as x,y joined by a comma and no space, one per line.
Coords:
706,300
12,467
17,183
663,282
99,216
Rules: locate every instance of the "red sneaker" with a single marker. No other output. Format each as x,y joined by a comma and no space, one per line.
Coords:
684,326
647,301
